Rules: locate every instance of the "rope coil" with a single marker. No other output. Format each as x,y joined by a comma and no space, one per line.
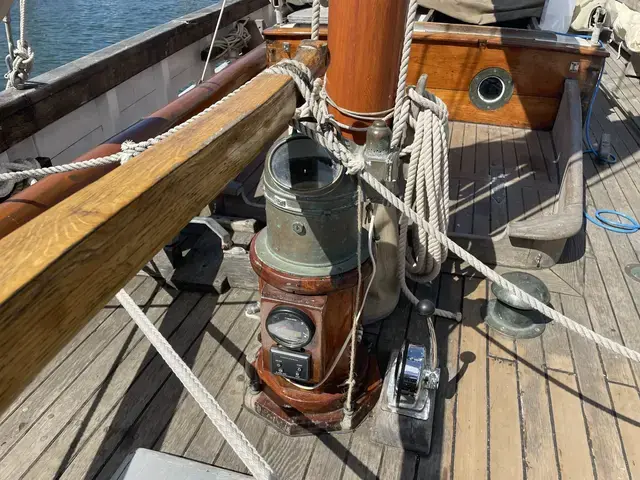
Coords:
428,180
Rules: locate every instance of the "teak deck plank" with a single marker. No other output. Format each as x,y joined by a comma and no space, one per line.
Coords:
627,406
471,424
555,342
216,374
469,149
456,137
504,421
604,438
329,456
538,434
439,463
499,215
572,443
604,322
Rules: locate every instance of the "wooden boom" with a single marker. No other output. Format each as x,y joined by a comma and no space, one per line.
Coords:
60,268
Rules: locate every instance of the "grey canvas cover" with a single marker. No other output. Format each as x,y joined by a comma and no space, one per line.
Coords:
481,12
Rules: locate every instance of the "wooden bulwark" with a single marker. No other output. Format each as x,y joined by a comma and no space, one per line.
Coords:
66,88
452,55
60,268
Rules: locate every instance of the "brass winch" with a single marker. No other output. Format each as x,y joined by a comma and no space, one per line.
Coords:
307,263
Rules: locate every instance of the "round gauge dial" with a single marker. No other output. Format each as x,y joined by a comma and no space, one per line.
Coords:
290,327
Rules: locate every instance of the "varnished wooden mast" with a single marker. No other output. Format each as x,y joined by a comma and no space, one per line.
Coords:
365,43
63,266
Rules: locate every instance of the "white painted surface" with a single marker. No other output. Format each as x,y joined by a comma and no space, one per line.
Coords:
26,148
110,113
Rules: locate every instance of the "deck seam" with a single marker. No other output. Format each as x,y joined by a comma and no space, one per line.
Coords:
560,370
488,392
523,437
615,382
547,387
455,404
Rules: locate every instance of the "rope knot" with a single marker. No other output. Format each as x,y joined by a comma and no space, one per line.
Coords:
23,57
356,163
129,149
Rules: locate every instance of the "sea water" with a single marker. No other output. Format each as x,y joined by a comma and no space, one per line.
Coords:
61,31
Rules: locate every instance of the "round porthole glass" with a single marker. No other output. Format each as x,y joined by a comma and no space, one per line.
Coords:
491,89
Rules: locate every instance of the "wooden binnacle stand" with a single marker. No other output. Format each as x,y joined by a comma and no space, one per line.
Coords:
307,266
330,303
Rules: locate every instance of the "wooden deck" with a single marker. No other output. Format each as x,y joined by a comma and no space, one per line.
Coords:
623,92
549,408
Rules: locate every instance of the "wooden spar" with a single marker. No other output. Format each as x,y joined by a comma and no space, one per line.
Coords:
64,265
34,200
365,41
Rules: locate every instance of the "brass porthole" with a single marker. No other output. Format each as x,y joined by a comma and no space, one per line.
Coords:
491,88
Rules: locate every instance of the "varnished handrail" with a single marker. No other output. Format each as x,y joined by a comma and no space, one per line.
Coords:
63,266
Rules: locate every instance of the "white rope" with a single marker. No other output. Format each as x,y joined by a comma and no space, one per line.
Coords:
9,57
15,176
402,106
356,316
428,180
213,40
363,116
229,430
130,149
238,39
315,20
22,56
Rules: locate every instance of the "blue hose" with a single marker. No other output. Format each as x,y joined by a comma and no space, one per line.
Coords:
619,227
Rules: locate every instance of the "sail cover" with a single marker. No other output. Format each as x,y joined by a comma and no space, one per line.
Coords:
481,12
